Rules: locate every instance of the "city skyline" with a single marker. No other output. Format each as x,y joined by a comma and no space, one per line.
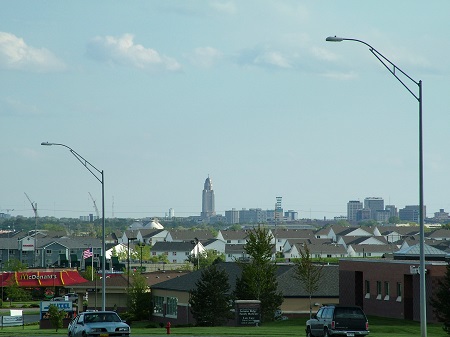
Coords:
160,94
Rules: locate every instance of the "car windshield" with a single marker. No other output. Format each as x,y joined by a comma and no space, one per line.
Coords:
101,317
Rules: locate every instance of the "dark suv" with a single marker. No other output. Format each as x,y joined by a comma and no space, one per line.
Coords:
335,320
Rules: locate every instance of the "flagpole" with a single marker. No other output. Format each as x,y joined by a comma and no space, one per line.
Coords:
92,265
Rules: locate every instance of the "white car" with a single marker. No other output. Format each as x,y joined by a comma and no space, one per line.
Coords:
98,324
72,297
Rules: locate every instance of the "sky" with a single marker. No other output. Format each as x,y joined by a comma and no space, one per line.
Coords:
162,94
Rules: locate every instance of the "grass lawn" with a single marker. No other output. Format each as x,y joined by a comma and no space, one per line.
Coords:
379,327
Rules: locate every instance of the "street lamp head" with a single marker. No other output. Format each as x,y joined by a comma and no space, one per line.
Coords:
334,39
46,143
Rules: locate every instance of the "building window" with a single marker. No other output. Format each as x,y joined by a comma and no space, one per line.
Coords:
174,253
378,290
399,292
48,251
386,291
187,253
367,286
159,305
172,304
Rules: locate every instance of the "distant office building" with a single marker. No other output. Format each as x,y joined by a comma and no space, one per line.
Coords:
441,215
89,218
208,205
374,204
232,216
252,215
411,213
291,215
278,210
353,207
363,214
382,216
171,213
392,210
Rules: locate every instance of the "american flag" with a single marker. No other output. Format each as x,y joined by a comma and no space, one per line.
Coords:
87,253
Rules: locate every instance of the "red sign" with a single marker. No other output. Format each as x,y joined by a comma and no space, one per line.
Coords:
43,278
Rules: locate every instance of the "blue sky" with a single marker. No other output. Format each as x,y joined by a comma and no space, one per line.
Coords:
161,94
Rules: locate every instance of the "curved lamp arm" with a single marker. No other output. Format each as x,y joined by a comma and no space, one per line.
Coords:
80,158
390,66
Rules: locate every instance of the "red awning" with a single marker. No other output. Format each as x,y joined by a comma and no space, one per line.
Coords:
42,278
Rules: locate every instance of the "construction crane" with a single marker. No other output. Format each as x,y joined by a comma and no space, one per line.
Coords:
34,207
95,206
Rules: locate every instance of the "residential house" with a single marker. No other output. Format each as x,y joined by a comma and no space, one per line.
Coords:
282,235
177,252
371,250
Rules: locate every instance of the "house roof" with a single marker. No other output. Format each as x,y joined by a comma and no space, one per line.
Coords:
293,233
234,234
365,248
173,246
287,283
359,239
188,235
415,251
440,233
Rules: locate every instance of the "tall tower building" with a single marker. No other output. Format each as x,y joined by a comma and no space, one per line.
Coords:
208,206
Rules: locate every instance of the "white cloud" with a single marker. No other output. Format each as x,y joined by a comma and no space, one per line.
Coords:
273,58
16,54
343,76
224,7
267,57
13,107
323,54
205,57
122,50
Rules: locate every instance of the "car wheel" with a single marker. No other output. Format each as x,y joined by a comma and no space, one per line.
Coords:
308,333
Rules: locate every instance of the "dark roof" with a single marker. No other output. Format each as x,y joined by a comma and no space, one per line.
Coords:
173,246
287,283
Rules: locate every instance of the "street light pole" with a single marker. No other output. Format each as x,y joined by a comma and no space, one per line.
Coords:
99,175
128,271
394,71
141,245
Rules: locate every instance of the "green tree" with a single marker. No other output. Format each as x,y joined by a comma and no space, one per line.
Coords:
139,298
258,279
90,274
394,220
308,273
56,316
16,293
206,258
211,301
15,265
441,301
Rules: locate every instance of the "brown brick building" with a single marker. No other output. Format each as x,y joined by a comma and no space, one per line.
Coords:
388,288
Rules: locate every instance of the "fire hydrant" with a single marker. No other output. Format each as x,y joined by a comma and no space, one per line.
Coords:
168,328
